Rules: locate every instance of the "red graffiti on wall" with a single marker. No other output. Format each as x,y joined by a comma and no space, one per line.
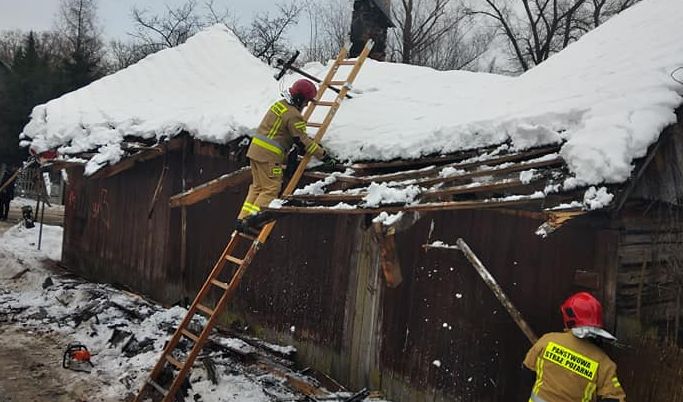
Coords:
99,209
71,200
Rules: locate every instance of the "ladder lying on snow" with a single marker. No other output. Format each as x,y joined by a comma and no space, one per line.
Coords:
182,368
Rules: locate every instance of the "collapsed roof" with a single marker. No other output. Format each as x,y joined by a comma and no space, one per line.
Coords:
602,101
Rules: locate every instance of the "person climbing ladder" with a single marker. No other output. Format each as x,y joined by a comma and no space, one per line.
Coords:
281,127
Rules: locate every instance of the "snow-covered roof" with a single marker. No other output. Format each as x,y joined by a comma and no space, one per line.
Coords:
606,98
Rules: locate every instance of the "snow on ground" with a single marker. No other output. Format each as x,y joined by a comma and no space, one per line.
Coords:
124,332
609,96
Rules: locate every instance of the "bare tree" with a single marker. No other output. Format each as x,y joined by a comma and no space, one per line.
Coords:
604,9
123,54
420,24
436,33
81,39
543,27
10,43
171,29
329,23
266,35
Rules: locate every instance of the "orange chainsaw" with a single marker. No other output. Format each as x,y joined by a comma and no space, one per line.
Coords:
77,358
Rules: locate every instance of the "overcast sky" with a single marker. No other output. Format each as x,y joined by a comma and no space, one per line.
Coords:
115,16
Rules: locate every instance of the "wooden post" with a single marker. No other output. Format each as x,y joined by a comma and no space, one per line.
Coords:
495,288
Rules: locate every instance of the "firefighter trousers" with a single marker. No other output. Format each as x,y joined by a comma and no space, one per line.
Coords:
265,187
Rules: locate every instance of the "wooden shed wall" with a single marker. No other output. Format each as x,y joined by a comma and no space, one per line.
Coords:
108,235
317,283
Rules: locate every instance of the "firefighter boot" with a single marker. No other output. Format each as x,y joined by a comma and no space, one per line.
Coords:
258,220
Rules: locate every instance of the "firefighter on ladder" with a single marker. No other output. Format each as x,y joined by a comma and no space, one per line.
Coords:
570,366
281,127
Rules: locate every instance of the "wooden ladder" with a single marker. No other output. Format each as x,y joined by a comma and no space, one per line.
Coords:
181,367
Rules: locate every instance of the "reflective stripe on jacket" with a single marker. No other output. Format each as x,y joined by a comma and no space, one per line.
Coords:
281,127
569,369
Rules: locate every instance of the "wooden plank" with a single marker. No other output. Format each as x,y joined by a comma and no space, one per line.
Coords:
211,188
436,206
607,264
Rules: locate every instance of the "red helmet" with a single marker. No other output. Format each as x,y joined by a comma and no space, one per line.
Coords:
582,310
304,88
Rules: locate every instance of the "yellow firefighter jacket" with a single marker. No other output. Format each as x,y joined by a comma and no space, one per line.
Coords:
569,369
282,125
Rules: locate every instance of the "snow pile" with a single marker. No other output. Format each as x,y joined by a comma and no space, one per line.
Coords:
381,194
211,87
608,105
597,198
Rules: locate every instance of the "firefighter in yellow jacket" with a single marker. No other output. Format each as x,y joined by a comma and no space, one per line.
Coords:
281,127
570,366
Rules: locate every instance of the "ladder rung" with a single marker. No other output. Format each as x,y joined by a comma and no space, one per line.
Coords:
326,103
220,284
347,63
316,125
338,83
189,335
246,236
234,260
174,362
204,309
158,387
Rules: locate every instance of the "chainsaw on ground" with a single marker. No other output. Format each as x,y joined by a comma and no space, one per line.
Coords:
77,358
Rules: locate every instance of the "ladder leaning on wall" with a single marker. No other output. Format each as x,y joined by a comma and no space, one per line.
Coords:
180,368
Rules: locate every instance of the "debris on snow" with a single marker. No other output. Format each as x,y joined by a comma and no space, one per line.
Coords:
126,333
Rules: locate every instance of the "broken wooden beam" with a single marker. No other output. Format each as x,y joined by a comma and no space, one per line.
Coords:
389,262
428,207
211,188
490,281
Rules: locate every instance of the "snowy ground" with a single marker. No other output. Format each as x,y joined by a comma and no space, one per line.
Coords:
43,309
